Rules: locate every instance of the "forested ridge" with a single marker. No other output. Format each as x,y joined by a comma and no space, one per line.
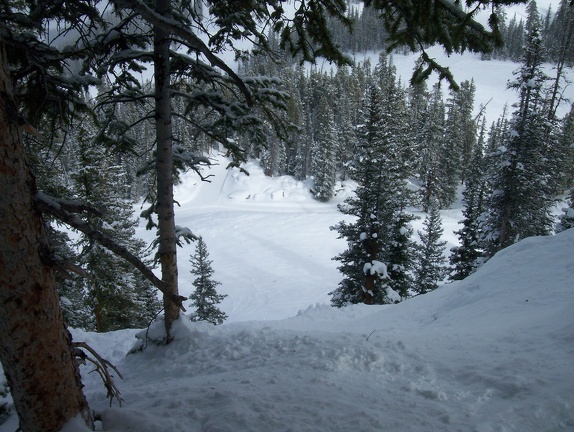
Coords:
99,138
513,169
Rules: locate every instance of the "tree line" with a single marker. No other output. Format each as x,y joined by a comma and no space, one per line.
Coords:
438,145
53,55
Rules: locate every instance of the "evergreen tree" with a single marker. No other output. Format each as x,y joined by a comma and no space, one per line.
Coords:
401,250
415,25
323,153
205,297
567,218
521,201
460,137
466,257
36,349
430,268
566,149
118,295
431,151
396,111
559,38
233,105
378,243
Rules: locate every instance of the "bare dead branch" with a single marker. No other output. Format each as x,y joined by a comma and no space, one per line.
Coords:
64,267
53,208
102,368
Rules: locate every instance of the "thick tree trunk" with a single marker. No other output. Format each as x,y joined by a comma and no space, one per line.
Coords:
35,346
164,166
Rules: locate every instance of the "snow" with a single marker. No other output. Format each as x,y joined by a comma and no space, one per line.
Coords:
490,353
376,267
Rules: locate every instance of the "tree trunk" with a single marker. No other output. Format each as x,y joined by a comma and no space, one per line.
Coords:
35,346
164,166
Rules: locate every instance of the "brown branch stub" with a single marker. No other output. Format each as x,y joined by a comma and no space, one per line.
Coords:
102,368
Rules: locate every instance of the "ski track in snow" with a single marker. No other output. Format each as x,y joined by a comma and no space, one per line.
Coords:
492,353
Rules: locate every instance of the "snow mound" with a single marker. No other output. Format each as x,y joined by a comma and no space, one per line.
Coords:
248,185
490,353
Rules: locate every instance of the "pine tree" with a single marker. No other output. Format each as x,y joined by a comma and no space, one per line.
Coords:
431,151
36,349
559,38
460,137
323,153
414,25
567,150
378,243
401,250
205,298
466,257
521,199
118,295
430,268
567,218
233,105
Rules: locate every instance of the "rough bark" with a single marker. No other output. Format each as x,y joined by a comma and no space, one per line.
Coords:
35,346
164,166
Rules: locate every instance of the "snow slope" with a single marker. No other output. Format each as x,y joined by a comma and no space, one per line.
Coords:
269,240
491,353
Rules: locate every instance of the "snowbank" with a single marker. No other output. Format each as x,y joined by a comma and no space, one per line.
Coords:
490,353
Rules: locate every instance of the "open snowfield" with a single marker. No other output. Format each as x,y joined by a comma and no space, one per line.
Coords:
491,353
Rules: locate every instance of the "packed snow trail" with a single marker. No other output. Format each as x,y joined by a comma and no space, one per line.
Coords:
490,353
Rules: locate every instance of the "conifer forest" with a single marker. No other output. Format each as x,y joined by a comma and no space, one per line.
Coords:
108,104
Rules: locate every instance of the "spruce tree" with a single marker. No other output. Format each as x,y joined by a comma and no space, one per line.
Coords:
361,264
460,137
430,268
205,297
401,250
567,150
36,349
522,197
566,220
376,263
465,258
431,151
323,166
118,295
559,38
234,104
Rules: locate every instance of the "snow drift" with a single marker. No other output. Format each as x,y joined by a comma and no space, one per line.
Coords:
491,353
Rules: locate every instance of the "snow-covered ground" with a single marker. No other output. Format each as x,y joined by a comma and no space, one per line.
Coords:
494,352
491,353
